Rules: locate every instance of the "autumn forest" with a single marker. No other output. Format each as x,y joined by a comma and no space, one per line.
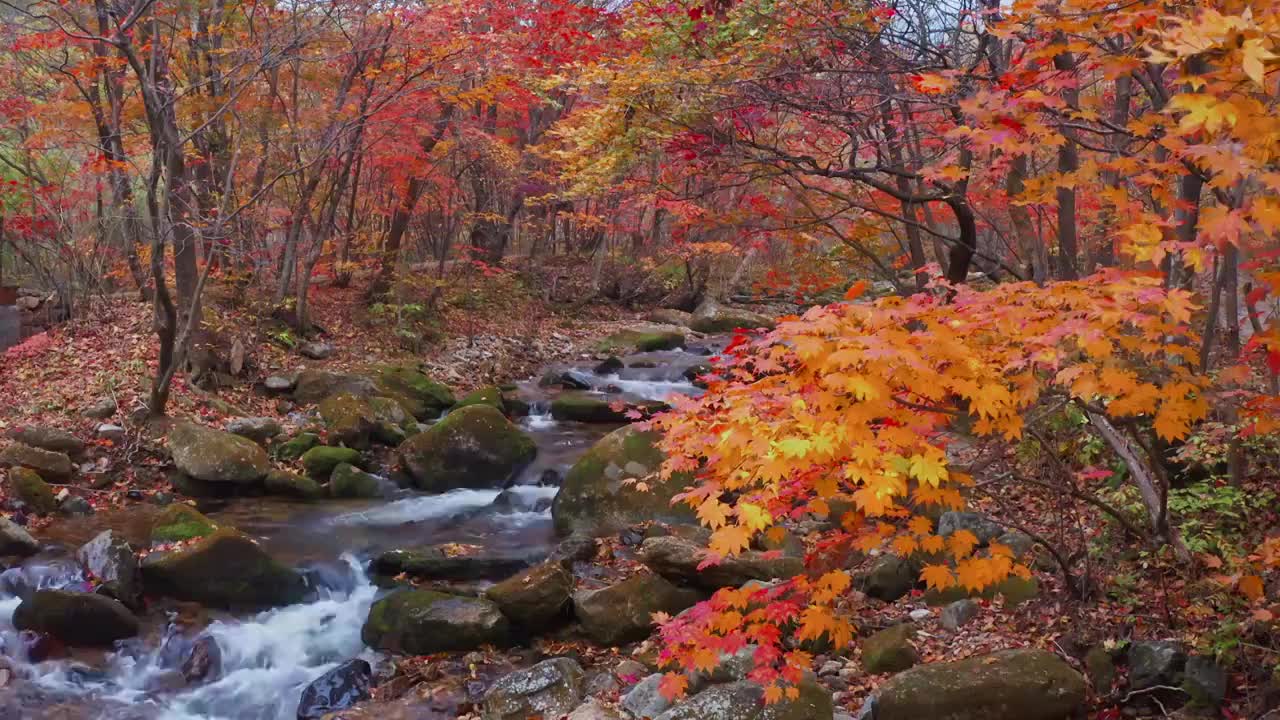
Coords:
639,359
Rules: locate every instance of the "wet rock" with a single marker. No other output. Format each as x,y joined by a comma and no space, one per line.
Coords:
114,433
297,446
574,380
111,560
549,689
959,613
35,493
348,481
204,663
257,429
512,500
578,547
421,622
609,366
670,316
38,647
319,462
593,709
1007,685
75,506
421,397
623,612
278,383
474,447
47,438
448,562
982,527
316,350
535,597
694,374
1205,682
180,522
679,559
15,540
573,407
224,569
646,700
596,497
216,456
312,386
642,340
338,689
712,317
77,619
890,650
350,419
491,396
52,466
890,578
100,409
287,484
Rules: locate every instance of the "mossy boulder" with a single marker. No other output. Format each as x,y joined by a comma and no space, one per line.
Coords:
890,578
296,446
623,612
283,483
586,408
224,569
449,562
51,465
536,597
473,447
320,461
642,340
349,419
178,522
315,385
890,650
421,622
1007,685
597,497
349,481
550,689
491,396
670,316
421,397
680,560
35,493
216,456
77,619
712,317
15,540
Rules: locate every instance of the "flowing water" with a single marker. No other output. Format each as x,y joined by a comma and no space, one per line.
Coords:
267,659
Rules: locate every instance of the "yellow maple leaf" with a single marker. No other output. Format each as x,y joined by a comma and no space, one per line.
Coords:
961,543
730,540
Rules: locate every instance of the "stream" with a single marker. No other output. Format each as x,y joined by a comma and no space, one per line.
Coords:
268,658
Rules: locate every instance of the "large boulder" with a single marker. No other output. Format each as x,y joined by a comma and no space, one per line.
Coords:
178,523
312,386
47,438
623,612
890,650
712,317
982,527
216,456
679,559
54,466
296,446
349,481
549,689
586,408
111,561
890,578
536,597
320,461
77,619
670,316
1008,685
421,622
27,486
490,395
287,484
338,689
224,569
420,396
474,447
744,700
257,429
355,421
647,339
601,493
448,562
15,540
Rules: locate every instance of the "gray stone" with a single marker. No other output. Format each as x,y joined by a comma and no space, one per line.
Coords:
1006,685
15,540
982,527
959,613
316,350
549,689
78,619
110,560
475,447
891,577
623,612
890,650
645,700
10,326
1154,663
338,689
535,597
52,466
100,409
1205,681
593,709
421,622
257,429
1020,542
215,456
114,433
224,569
48,438
76,506
279,383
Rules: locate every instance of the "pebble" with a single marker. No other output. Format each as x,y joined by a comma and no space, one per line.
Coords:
920,614
831,667
114,433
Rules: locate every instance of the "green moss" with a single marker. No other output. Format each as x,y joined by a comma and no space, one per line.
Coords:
1015,591
296,447
179,522
320,461
890,650
351,482
574,407
491,396
421,396
641,341
287,484
32,490
474,446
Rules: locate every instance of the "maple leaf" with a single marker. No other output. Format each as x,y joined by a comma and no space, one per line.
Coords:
673,686
937,577
730,540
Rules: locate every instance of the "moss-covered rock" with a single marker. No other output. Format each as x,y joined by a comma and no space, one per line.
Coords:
224,569
292,485
550,689
348,481
421,397
179,522
596,497
473,447
216,456
491,396
296,446
641,340
449,562
320,461
1015,591
670,316
349,419
680,560
421,622
586,408
890,578
623,612
536,597
890,650
78,619
1007,685
51,465
712,317
315,385
35,493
